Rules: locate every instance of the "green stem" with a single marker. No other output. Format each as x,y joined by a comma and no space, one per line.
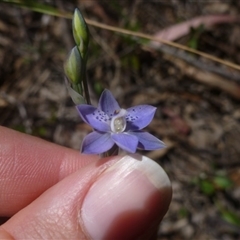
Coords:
85,85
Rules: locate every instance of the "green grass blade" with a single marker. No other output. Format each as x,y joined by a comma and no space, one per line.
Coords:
39,7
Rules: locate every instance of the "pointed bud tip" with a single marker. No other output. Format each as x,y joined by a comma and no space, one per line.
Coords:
80,31
73,66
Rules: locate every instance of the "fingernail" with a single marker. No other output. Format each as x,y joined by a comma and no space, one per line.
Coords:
127,199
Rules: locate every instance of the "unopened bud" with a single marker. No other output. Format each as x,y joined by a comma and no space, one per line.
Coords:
73,66
80,32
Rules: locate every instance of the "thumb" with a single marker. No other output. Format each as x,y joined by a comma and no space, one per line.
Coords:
118,198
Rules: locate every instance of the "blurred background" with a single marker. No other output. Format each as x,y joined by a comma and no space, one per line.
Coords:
198,99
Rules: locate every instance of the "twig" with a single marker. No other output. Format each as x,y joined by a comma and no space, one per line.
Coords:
226,73
208,78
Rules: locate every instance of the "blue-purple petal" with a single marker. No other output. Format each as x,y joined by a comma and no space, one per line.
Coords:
147,141
108,103
139,117
94,117
125,141
95,143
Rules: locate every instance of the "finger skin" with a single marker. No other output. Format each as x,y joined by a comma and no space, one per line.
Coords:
5,235
29,166
57,210
56,213
64,210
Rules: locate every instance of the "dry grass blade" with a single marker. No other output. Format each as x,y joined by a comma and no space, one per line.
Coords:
56,12
169,43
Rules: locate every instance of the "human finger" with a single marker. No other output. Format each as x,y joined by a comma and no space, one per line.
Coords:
29,166
119,198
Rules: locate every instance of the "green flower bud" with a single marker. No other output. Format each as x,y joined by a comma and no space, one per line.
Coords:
73,66
80,32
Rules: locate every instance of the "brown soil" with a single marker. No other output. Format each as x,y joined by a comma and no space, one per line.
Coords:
198,117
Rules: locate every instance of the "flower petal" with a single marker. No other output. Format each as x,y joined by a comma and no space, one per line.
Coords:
108,103
96,142
147,141
126,142
94,117
139,116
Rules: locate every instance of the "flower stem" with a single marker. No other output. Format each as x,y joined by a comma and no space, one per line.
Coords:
112,152
85,85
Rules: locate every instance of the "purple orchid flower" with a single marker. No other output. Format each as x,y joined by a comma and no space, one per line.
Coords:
114,125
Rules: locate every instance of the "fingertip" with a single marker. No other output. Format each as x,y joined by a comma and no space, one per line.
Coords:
128,200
